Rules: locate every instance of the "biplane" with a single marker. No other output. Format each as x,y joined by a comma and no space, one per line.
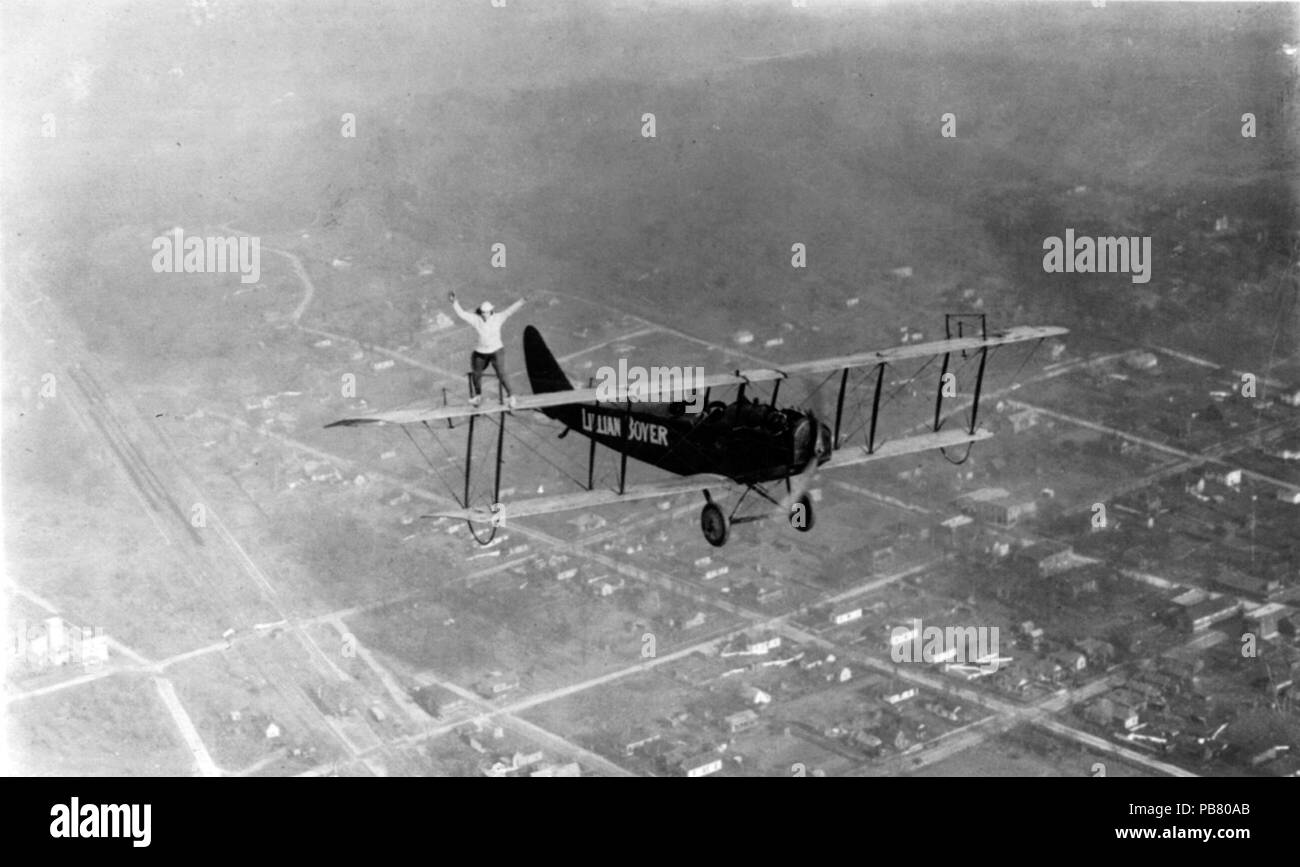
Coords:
748,442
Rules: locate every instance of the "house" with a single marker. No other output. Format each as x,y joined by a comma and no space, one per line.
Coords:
1107,711
1023,420
1141,360
1263,621
1239,583
1077,582
1230,478
588,521
1098,653
900,696
1070,660
764,643
846,613
742,721
1203,615
572,769
1183,667
1044,558
767,591
638,739
696,620
757,696
995,506
438,701
494,687
955,532
1289,495
701,765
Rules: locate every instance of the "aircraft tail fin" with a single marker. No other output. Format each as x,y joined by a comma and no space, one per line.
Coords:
544,373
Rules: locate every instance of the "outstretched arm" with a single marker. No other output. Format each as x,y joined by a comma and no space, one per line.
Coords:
512,308
460,311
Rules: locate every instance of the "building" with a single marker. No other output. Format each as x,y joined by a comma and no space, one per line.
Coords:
1109,711
1141,360
1077,582
1023,420
572,769
1044,558
900,696
1239,583
638,739
764,643
438,701
767,591
995,506
1099,653
1263,621
955,533
1203,615
494,687
846,613
742,721
702,765
1070,660
1230,478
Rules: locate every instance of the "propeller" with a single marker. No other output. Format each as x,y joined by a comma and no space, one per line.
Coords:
801,483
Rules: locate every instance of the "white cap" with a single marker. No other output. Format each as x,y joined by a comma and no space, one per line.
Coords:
485,307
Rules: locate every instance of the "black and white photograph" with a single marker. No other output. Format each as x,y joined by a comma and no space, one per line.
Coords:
651,388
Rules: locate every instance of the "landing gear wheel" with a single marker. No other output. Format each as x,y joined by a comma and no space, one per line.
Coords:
714,525
801,514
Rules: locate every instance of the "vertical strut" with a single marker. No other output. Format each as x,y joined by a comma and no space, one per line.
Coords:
875,408
839,408
501,436
627,433
979,383
591,464
938,397
469,457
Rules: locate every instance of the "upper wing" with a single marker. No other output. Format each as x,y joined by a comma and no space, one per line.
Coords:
582,499
427,411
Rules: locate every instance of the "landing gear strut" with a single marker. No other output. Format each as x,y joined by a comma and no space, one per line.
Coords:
713,523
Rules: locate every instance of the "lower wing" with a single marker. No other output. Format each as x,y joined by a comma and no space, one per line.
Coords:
582,499
845,457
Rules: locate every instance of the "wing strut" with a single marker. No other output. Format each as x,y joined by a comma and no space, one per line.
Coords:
979,384
501,436
875,408
469,458
627,434
839,406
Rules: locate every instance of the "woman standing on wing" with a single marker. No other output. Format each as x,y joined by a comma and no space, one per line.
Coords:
489,350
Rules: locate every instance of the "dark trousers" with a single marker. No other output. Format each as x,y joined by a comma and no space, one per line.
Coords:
479,362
